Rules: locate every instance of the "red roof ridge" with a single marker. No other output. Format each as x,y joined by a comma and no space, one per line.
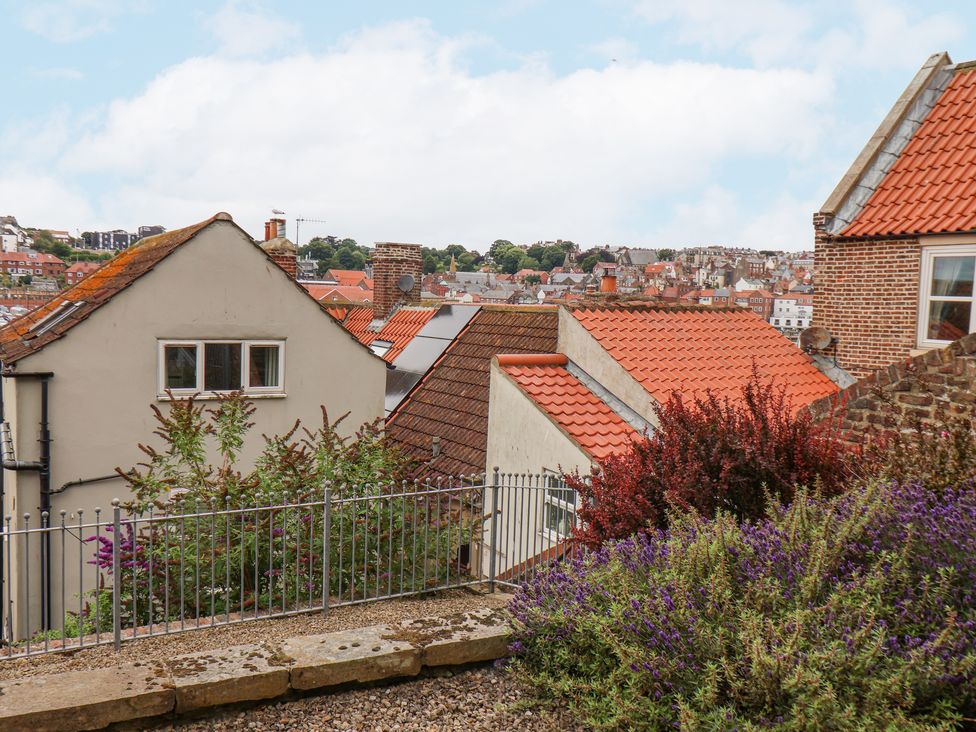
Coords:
532,359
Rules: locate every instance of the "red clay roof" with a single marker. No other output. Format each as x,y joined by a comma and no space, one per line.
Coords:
399,328
16,339
931,188
586,418
451,401
342,294
691,348
350,278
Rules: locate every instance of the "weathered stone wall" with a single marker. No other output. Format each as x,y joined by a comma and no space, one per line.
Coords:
921,388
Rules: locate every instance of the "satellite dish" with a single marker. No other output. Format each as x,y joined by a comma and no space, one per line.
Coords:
405,283
815,338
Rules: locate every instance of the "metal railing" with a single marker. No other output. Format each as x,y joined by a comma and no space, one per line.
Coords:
127,574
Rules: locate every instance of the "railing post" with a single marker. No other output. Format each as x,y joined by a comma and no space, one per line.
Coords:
116,574
326,547
493,549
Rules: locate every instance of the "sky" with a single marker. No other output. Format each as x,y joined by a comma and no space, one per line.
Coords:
657,123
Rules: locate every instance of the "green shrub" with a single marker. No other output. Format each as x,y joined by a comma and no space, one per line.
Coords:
851,613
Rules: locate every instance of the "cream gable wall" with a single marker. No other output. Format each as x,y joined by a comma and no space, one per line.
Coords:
217,285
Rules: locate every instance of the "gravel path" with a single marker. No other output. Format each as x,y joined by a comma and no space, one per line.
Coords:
474,700
340,618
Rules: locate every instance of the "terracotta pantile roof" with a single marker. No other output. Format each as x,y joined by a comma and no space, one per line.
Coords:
451,401
586,418
21,338
350,278
349,294
931,188
399,328
690,348
85,267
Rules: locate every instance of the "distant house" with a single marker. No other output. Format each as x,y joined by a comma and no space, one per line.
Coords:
78,271
895,243
31,263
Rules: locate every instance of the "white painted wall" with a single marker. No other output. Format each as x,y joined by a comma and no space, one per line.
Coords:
217,285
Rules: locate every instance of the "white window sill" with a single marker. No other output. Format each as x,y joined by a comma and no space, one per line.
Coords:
214,397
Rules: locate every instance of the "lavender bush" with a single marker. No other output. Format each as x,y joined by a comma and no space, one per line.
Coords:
850,613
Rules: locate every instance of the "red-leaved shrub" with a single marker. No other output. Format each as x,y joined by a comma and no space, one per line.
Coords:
711,453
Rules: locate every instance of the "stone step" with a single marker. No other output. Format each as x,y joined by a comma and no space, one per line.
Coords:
95,699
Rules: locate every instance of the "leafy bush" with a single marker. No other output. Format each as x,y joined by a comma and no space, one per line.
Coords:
200,540
710,454
856,612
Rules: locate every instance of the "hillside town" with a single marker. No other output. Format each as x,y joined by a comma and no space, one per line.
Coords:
776,285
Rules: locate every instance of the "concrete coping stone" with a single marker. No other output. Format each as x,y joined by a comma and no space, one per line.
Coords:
97,698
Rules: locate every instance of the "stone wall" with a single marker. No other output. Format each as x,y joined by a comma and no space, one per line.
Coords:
866,295
920,388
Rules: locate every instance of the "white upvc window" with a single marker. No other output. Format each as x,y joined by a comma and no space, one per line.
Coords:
210,367
947,295
558,508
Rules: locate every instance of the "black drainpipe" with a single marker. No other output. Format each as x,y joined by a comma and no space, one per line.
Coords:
43,469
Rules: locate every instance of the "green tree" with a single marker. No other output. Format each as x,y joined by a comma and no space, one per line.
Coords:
554,256
589,263
533,279
510,260
498,248
665,255
528,262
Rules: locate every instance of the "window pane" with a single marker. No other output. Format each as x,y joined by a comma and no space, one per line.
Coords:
953,276
263,369
558,520
948,321
222,366
181,367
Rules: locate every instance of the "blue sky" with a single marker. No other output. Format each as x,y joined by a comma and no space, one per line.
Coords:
642,122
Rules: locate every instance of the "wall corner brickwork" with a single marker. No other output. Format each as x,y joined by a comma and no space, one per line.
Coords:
866,296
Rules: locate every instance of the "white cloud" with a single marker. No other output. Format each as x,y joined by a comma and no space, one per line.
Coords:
615,50
66,21
42,200
245,28
862,33
390,136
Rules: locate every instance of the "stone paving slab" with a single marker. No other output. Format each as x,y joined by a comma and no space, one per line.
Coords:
470,637
82,700
94,699
227,676
363,654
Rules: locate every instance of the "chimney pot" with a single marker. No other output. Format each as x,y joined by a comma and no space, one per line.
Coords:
608,283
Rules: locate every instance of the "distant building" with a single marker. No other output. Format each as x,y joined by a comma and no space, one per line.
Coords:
34,264
116,239
78,271
12,237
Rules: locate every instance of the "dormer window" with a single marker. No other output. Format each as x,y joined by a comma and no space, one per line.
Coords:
220,367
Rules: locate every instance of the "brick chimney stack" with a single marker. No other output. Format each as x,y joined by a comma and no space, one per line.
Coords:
392,263
282,251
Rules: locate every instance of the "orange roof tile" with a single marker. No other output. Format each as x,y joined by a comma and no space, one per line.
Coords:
583,416
931,188
16,338
350,278
691,348
399,328
342,294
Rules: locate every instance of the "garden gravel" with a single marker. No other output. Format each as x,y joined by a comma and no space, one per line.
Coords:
257,631
474,700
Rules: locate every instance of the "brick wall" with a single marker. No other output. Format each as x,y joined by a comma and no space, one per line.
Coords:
913,389
390,262
866,295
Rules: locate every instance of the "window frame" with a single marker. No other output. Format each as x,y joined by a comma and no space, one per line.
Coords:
925,297
553,482
198,389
